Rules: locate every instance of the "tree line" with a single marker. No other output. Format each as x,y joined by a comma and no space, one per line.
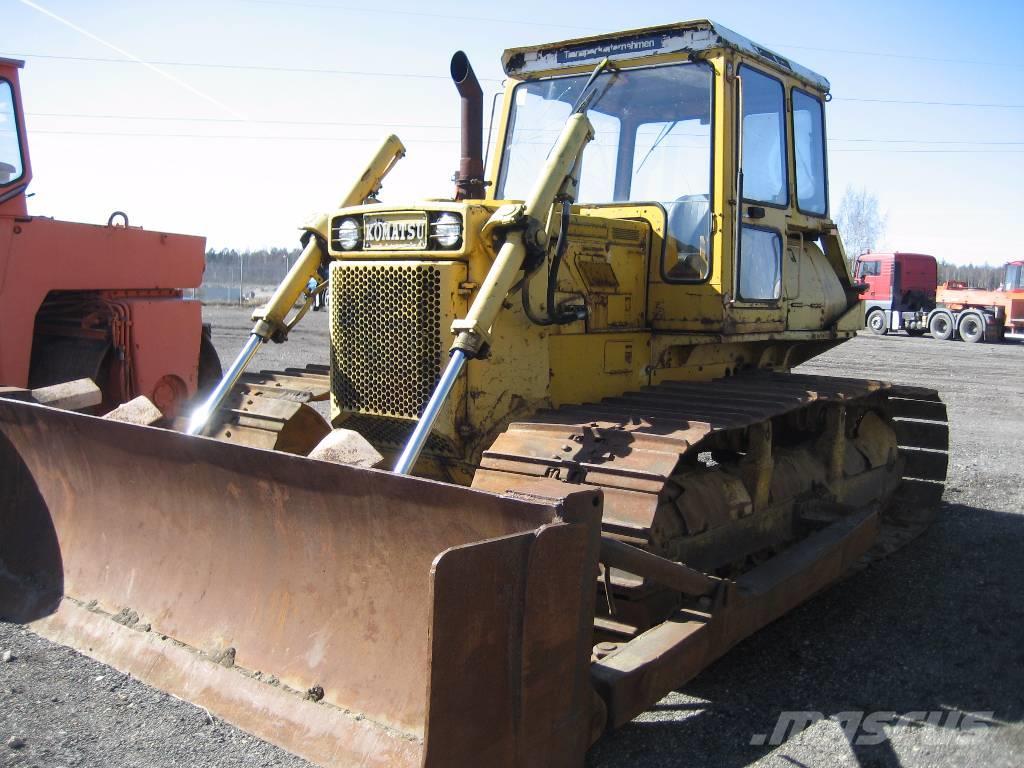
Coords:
982,276
858,217
862,224
266,266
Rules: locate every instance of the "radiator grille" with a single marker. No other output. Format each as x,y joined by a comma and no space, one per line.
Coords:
385,337
384,432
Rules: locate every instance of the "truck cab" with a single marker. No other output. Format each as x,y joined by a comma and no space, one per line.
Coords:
900,289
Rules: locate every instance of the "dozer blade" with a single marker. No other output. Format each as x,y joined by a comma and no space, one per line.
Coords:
351,616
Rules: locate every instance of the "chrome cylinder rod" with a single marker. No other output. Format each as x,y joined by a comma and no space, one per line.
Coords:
426,423
201,415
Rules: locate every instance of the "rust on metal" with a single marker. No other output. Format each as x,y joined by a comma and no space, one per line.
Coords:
316,574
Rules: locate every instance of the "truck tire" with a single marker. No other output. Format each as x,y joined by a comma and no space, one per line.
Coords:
876,322
972,327
941,326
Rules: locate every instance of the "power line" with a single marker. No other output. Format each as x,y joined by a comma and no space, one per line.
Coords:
146,135
932,103
596,30
171,118
439,126
387,124
890,55
423,76
930,141
931,151
341,139
244,67
422,14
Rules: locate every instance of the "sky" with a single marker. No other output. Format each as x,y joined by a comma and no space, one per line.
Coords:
240,119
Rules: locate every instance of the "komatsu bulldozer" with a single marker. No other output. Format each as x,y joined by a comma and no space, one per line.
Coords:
594,472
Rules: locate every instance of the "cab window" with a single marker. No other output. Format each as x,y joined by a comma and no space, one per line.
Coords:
10,147
764,139
809,144
760,265
870,268
652,143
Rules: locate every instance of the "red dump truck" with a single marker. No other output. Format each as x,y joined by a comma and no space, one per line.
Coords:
901,294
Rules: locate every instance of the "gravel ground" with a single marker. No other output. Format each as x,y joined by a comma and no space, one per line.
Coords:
935,628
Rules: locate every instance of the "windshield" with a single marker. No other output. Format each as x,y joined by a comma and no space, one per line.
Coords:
652,143
10,150
1014,277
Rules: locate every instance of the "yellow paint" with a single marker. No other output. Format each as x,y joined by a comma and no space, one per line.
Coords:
640,329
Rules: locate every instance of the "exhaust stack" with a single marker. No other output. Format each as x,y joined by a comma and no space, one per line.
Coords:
469,182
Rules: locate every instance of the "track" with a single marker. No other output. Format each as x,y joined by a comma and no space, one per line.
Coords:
692,451
631,445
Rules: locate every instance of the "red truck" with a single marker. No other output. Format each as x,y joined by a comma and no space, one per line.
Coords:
901,294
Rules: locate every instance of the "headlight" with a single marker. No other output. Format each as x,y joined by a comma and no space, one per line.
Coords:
447,230
348,234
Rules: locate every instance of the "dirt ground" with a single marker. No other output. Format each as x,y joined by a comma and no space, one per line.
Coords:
936,628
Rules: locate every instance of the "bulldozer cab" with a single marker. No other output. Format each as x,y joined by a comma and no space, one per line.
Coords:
14,165
671,147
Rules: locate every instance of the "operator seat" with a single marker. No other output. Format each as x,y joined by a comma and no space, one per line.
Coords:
688,226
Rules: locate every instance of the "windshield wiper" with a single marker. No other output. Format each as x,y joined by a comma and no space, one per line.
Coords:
584,99
661,137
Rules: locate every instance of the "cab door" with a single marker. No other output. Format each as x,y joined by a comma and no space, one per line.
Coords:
759,282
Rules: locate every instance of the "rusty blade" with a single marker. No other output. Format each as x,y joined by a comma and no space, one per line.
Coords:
242,579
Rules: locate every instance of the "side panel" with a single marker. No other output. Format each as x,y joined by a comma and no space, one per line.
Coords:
44,255
918,274
165,350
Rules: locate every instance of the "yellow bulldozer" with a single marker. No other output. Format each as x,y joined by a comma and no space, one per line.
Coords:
573,467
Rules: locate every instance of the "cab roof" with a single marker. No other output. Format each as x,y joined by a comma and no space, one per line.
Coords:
693,36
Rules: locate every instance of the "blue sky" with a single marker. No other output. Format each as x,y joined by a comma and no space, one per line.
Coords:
243,152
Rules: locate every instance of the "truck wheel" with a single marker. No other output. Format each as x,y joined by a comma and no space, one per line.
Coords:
876,322
941,326
972,328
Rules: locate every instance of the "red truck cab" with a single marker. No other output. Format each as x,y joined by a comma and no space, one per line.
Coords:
900,286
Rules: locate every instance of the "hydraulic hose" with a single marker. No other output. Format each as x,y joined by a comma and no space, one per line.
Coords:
554,316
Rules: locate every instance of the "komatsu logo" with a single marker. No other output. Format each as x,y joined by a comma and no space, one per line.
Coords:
390,230
401,231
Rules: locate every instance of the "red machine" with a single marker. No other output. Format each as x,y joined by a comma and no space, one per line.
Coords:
103,302
901,295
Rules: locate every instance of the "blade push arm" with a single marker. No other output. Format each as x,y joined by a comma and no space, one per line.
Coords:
474,332
526,226
270,319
